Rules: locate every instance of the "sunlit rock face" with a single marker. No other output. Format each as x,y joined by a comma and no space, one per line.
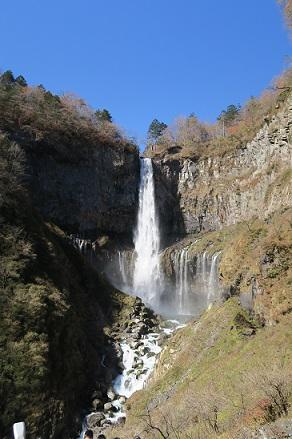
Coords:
212,192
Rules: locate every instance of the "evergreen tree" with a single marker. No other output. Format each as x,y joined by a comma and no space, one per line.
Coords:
20,80
103,115
230,114
7,78
155,130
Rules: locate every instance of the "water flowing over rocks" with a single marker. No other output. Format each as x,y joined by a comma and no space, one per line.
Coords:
137,345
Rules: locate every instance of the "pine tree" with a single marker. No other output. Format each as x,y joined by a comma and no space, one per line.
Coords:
155,130
7,78
103,115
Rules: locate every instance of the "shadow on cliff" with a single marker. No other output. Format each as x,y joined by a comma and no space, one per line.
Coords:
168,203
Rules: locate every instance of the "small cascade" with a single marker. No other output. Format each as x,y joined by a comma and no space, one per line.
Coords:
139,356
213,284
196,281
181,278
122,268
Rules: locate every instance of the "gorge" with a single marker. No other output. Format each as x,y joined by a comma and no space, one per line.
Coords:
144,296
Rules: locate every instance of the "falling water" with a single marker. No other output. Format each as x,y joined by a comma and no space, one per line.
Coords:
147,275
213,284
181,278
122,268
196,283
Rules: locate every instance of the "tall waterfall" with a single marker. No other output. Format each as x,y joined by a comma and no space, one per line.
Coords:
193,284
147,276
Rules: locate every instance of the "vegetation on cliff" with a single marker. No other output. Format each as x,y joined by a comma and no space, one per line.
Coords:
53,314
63,125
228,373
235,126
221,377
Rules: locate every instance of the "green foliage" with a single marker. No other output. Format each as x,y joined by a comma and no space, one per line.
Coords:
155,130
7,78
230,114
20,80
103,116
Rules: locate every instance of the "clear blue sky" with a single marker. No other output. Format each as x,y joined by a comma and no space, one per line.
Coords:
143,59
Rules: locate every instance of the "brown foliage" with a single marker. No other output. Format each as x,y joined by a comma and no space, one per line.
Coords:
55,122
287,6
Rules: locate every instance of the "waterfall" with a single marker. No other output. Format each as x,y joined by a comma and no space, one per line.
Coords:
205,274
181,278
147,276
196,281
122,268
213,284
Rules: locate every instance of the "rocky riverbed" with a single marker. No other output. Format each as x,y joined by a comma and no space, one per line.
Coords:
137,345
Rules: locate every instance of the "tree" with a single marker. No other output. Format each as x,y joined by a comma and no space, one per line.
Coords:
20,80
228,116
7,78
155,130
103,115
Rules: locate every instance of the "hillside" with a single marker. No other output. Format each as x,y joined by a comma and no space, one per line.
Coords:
228,373
170,273
56,316
81,170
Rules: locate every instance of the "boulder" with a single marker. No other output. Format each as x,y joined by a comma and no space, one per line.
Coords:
111,395
96,404
94,419
108,406
105,423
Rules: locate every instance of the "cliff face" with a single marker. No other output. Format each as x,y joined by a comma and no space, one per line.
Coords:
96,194
224,189
83,173
56,318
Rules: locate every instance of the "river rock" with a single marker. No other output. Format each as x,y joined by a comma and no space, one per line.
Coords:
111,395
115,409
105,423
151,354
137,363
94,419
121,421
108,406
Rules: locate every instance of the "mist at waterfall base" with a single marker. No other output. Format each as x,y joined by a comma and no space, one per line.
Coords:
192,284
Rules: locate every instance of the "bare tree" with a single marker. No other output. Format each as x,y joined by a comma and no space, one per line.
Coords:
276,385
167,426
206,406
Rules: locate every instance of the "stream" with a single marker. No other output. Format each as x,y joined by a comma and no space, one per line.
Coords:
139,358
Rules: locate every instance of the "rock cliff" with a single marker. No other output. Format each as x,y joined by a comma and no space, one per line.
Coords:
223,189
95,195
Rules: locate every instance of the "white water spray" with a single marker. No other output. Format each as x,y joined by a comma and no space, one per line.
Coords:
147,275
